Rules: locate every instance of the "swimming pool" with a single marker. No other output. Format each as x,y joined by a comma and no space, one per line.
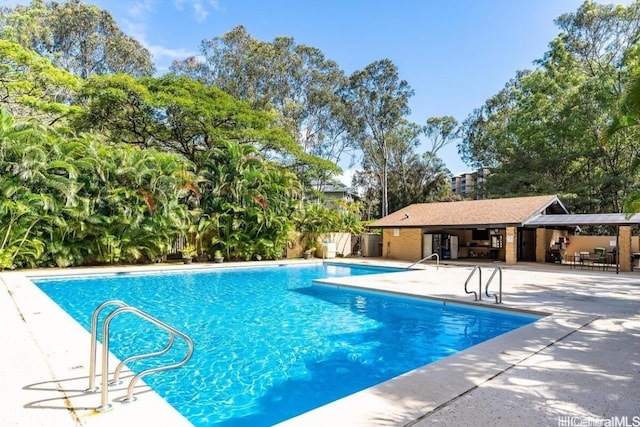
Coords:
269,345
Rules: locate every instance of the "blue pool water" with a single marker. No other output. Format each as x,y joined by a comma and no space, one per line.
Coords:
268,345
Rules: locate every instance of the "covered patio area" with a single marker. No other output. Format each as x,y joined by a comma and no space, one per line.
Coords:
621,253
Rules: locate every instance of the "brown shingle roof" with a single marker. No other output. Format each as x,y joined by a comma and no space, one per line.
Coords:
469,212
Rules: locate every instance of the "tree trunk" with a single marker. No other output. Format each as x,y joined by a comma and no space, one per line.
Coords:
385,199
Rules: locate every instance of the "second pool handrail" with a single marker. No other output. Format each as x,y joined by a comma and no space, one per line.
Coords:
498,295
426,258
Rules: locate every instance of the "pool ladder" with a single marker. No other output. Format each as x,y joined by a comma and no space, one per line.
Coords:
433,255
125,308
478,295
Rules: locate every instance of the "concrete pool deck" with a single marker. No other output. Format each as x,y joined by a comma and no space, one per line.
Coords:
580,364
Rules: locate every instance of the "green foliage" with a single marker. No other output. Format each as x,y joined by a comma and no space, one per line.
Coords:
113,106
71,201
316,219
124,188
411,178
189,251
378,100
418,179
32,87
366,183
295,81
440,131
627,124
248,202
549,130
77,37
181,115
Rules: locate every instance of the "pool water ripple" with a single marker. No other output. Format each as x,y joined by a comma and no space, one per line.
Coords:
268,345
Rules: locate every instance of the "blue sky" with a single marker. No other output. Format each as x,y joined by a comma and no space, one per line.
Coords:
454,53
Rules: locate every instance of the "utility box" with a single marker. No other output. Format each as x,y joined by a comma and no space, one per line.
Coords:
330,250
371,244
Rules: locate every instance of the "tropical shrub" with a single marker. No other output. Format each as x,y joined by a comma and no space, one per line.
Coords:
249,202
74,200
318,218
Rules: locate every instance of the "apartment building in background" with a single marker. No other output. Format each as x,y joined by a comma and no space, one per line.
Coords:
469,185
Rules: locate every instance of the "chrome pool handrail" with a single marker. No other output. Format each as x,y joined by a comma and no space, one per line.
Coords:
498,296
116,372
477,296
94,342
426,258
124,308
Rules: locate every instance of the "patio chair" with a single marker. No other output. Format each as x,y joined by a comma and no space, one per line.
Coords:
585,258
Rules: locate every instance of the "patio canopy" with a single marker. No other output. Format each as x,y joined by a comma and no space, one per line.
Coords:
583,219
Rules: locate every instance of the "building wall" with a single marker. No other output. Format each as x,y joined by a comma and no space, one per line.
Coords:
546,239
464,185
402,243
573,245
296,244
579,244
469,248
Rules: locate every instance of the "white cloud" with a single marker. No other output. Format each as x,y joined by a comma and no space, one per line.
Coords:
161,54
139,9
200,7
215,4
167,53
200,10
136,29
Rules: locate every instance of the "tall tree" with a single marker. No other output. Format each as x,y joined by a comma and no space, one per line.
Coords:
413,178
295,80
378,100
366,183
75,36
179,114
440,131
627,123
546,131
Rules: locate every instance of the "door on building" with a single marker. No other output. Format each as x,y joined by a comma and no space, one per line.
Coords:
526,244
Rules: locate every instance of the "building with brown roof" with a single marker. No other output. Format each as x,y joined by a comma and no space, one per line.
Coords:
537,228
483,229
